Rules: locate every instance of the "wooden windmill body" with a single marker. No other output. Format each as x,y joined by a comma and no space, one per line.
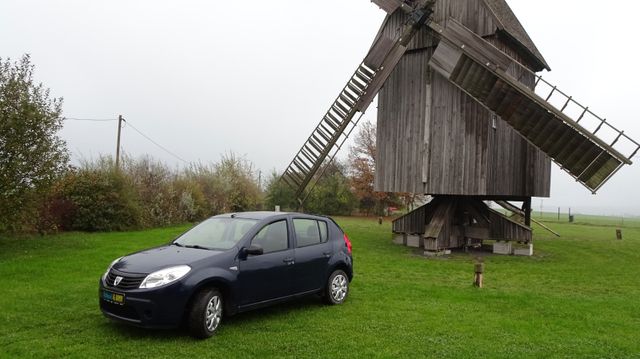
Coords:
459,119
434,138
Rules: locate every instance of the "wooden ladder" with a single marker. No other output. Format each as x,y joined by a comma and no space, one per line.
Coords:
340,120
331,133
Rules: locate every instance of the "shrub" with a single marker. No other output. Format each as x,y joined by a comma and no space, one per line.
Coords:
100,201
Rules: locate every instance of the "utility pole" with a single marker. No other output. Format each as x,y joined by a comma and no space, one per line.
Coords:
120,119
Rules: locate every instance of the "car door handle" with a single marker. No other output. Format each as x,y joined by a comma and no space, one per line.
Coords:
326,254
289,261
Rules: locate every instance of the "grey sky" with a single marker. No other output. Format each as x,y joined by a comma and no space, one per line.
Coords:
207,77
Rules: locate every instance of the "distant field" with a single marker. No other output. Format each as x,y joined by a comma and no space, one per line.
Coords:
577,297
629,222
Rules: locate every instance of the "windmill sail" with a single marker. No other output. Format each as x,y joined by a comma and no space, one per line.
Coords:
340,120
481,70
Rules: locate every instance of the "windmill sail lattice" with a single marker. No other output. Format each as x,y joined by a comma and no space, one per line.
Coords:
480,69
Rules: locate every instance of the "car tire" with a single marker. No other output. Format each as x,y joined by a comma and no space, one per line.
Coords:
205,314
337,288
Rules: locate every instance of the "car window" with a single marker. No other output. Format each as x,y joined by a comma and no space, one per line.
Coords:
309,232
323,231
217,233
273,237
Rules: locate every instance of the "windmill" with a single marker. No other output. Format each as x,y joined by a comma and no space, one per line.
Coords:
463,117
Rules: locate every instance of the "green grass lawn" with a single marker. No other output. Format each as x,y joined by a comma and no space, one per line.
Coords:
578,297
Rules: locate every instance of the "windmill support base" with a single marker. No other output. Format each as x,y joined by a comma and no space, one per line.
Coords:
453,222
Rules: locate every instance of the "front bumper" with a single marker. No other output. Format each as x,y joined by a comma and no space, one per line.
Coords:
150,308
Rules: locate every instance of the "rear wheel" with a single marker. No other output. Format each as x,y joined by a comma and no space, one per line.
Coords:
337,288
205,314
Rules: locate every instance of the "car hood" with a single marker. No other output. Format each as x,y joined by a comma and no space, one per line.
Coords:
155,259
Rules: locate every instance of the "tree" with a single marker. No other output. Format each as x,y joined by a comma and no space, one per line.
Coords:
332,194
32,156
362,159
280,194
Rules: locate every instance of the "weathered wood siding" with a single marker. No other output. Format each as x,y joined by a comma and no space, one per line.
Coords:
433,138
471,13
446,223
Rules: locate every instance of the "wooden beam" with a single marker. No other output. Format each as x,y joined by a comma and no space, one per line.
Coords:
527,212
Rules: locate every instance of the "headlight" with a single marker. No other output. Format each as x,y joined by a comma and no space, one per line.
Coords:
164,277
104,276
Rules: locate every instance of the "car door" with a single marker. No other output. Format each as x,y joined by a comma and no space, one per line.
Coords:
312,254
267,276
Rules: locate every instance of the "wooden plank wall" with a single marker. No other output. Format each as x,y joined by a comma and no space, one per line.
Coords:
457,151
402,139
472,13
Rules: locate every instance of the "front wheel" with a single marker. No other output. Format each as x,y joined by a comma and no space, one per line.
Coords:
337,288
205,314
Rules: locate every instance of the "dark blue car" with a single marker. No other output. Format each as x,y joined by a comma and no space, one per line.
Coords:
229,264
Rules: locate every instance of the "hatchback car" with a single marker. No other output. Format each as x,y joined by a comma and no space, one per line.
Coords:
228,264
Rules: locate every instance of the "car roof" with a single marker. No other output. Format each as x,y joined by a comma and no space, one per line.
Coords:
264,215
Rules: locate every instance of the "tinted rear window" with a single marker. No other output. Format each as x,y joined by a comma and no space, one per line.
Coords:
310,232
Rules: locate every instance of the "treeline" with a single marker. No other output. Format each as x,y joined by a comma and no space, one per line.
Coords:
40,190
146,193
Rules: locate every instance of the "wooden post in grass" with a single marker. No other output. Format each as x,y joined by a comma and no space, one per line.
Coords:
479,269
619,234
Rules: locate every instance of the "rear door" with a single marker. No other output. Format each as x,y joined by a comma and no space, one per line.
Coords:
268,276
312,254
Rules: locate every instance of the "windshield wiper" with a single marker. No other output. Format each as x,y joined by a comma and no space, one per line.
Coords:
197,247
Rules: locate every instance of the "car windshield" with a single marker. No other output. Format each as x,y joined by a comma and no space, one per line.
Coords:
216,233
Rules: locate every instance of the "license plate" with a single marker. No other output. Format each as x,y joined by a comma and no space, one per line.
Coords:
112,297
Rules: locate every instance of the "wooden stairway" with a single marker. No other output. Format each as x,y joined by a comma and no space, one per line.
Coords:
340,120
331,132
481,70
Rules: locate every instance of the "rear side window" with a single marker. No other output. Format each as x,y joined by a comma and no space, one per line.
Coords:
310,232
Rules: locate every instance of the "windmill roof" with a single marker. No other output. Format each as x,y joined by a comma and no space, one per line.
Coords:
509,24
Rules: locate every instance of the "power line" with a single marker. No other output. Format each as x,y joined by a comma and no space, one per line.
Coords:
154,142
91,119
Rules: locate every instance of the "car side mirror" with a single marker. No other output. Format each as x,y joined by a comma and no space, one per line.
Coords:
254,250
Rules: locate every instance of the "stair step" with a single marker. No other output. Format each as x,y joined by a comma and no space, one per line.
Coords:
338,112
308,156
362,78
347,100
350,96
336,120
367,71
323,135
343,108
353,87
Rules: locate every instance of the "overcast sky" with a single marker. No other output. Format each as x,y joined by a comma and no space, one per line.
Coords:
254,77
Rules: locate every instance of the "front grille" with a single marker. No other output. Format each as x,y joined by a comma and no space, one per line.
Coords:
123,311
129,280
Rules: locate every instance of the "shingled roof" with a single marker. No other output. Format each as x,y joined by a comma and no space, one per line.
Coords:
510,26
